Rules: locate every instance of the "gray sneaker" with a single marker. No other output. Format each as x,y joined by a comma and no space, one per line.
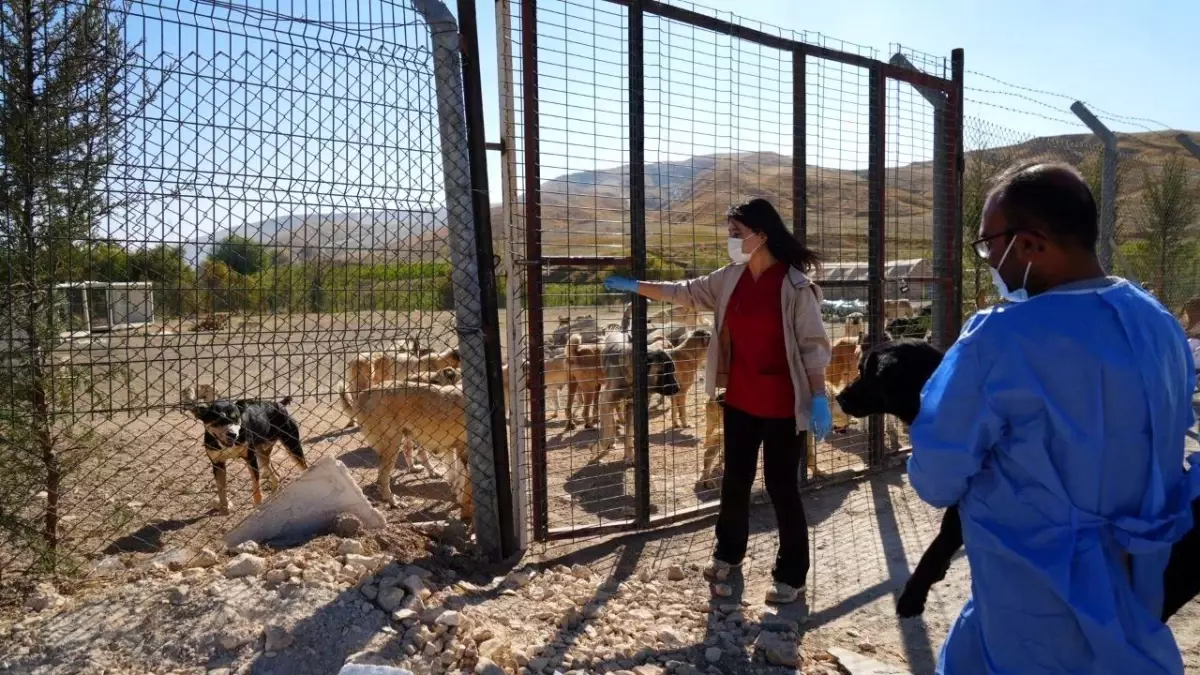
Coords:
718,571
783,594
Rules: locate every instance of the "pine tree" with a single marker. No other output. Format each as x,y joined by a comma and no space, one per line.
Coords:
69,84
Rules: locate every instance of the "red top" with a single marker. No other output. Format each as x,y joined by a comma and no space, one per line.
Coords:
760,381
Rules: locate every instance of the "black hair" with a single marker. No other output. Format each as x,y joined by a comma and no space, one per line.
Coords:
1051,198
761,217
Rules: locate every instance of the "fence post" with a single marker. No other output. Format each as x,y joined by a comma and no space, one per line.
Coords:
1188,144
1108,181
460,218
800,189
485,257
876,236
637,251
944,300
514,306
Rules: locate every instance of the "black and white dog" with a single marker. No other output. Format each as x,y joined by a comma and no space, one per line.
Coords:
890,378
248,429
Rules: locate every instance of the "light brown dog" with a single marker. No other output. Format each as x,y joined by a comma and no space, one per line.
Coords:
843,368
1191,316
369,369
896,309
554,376
687,355
616,399
714,443
444,377
856,326
714,439
585,370
431,415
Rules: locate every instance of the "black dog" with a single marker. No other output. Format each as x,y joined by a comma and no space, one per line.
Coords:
891,376
247,429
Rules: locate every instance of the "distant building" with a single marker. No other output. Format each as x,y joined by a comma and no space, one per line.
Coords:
898,284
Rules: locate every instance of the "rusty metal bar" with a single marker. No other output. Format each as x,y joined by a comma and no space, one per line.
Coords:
533,278
585,261
876,235
955,166
799,149
637,250
759,37
624,525
488,291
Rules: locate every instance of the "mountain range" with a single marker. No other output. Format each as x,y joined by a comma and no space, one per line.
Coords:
586,213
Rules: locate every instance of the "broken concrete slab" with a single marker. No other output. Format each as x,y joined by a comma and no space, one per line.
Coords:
857,664
362,669
308,506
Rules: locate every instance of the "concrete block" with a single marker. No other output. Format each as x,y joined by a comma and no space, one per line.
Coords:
307,507
857,664
362,669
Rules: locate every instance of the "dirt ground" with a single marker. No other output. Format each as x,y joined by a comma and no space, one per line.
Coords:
148,492
144,484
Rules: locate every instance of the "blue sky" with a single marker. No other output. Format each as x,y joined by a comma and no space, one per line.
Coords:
259,117
1126,58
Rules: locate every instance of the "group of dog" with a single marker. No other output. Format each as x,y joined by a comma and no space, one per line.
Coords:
598,366
399,397
408,397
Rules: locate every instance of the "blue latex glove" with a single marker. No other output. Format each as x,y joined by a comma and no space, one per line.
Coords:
621,284
821,418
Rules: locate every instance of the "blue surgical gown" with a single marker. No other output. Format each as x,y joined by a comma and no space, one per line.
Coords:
1057,425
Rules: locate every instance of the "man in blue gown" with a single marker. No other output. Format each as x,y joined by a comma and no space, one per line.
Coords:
1056,422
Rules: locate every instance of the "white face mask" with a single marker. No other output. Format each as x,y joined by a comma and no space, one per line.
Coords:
736,254
1019,295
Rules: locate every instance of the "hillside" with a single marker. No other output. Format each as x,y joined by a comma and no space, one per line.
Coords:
586,213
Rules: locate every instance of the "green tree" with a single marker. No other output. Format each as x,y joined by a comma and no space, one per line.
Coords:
981,169
242,255
66,75
1168,241
174,279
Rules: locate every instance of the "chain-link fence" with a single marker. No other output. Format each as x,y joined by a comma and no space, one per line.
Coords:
230,202
629,130
1145,176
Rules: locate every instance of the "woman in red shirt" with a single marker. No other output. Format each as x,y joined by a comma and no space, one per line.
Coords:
770,355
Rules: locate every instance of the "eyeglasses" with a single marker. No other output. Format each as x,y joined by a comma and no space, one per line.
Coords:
983,246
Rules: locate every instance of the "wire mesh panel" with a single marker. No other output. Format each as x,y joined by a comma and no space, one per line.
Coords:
280,186
633,129
838,206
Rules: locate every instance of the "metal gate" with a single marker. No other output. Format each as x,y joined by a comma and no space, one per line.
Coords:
629,126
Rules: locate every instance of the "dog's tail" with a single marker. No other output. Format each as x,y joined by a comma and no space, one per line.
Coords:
285,401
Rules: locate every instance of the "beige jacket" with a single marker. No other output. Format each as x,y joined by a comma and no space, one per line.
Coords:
808,346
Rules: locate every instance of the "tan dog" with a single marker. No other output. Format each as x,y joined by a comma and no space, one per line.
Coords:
1191,316
714,443
714,439
448,377
431,415
616,400
369,369
688,356
896,309
856,326
586,377
843,368
201,393
554,376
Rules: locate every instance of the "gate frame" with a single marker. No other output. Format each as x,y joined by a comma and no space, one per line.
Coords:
947,226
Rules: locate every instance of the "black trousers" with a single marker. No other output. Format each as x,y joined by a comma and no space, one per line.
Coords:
782,451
